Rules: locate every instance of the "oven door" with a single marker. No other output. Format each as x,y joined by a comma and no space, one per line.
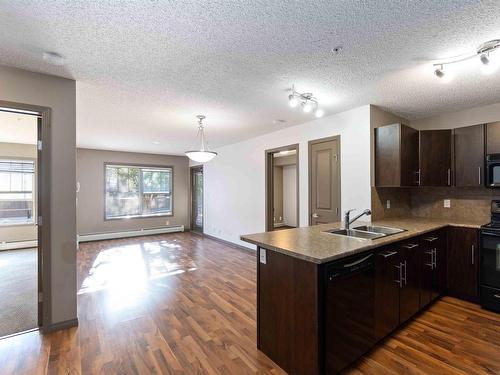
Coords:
490,259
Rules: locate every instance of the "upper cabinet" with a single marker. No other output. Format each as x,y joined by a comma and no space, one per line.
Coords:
493,138
396,156
436,158
469,155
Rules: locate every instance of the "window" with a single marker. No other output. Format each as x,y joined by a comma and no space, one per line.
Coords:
138,191
17,179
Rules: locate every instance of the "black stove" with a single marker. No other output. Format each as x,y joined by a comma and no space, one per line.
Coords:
490,260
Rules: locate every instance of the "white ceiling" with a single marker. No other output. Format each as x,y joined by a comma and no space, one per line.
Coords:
144,69
18,128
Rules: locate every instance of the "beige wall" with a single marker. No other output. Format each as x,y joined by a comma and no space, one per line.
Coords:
60,95
11,233
471,116
90,175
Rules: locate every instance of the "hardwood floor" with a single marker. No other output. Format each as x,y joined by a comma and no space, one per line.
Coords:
184,304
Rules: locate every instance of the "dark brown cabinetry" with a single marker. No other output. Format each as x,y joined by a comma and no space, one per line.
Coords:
435,153
493,138
396,156
469,155
409,296
433,266
387,285
463,262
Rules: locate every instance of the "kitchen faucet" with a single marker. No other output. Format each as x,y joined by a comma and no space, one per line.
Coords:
349,221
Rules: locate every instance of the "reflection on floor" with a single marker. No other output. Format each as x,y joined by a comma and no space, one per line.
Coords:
18,286
185,304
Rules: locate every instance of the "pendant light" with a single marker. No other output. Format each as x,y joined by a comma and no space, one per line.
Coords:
202,155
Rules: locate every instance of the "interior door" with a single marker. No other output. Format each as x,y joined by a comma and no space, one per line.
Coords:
324,161
197,199
39,213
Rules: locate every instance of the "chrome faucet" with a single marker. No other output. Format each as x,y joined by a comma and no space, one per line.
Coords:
348,221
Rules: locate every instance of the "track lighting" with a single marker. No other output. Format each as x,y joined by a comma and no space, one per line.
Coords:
484,51
306,100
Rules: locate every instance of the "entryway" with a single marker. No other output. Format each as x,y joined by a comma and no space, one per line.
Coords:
197,199
23,183
282,182
324,180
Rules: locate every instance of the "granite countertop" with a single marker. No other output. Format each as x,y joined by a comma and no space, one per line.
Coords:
314,245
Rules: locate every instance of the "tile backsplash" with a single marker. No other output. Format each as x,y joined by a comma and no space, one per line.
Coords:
428,202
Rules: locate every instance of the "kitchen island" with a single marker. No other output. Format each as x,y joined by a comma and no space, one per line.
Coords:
315,317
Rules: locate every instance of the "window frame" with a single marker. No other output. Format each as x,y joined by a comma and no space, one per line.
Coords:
140,166
34,191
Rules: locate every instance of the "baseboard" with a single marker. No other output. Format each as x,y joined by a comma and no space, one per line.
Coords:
14,245
61,325
229,243
130,233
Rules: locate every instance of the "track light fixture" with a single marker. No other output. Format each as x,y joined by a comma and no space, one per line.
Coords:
306,100
484,51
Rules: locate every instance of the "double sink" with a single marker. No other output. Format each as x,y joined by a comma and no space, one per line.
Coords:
367,232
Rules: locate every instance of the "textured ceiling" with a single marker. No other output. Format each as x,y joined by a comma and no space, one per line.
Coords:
18,128
144,69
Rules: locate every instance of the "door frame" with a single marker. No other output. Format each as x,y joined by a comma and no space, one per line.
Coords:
43,206
191,210
309,170
269,184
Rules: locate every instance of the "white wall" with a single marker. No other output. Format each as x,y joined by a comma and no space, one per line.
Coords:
290,195
234,180
467,117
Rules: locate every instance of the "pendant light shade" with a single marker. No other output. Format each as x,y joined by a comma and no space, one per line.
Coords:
203,154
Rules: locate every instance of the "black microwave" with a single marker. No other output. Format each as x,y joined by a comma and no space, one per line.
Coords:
493,170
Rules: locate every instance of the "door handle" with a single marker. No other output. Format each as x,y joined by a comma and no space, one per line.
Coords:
449,177
315,215
389,254
479,175
430,239
472,250
410,246
434,251
418,177
357,262
400,281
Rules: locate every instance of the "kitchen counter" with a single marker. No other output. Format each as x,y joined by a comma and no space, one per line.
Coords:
313,244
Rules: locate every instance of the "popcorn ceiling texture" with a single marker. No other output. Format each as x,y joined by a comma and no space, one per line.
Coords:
144,69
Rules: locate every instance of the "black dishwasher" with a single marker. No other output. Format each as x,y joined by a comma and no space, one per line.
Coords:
349,311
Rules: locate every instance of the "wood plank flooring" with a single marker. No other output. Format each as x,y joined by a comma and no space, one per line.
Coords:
184,304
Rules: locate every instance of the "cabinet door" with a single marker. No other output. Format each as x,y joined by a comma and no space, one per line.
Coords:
493,138
440,264
387,285
426,270
463,259
409,297
435,158
409,156
469,155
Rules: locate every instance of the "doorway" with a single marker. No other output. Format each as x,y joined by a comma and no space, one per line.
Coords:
324,180
197,199
282,188
24,200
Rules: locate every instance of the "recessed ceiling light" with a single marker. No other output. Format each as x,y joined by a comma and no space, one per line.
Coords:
155,142
53,58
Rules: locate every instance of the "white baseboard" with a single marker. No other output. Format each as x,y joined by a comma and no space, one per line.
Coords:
130,233
18,245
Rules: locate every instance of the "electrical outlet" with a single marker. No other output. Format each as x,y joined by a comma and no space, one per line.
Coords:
388,204
447,203
263,258
167,222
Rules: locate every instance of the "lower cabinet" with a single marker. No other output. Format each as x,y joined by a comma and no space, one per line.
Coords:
463,263
409,295
433,266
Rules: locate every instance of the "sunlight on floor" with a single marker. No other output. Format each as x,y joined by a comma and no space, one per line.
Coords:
129,268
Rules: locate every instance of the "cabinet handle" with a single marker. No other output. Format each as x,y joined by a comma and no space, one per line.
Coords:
400,281
430,239
410,246
496,296
479,175
405,272
389,254
435,258
449,177
418,177
472,254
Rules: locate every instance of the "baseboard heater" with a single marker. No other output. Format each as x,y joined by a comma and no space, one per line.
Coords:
14,245
129,233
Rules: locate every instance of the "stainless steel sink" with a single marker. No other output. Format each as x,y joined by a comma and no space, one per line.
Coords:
356,233
387,231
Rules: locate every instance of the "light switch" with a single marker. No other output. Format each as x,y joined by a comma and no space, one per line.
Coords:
447,203
388,204
263,258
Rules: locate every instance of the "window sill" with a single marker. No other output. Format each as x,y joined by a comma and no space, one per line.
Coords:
138,217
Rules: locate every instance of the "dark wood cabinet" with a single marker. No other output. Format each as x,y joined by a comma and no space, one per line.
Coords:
469,155
396,156
435,152
463,263
409,296
493,138
387,285
433,266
